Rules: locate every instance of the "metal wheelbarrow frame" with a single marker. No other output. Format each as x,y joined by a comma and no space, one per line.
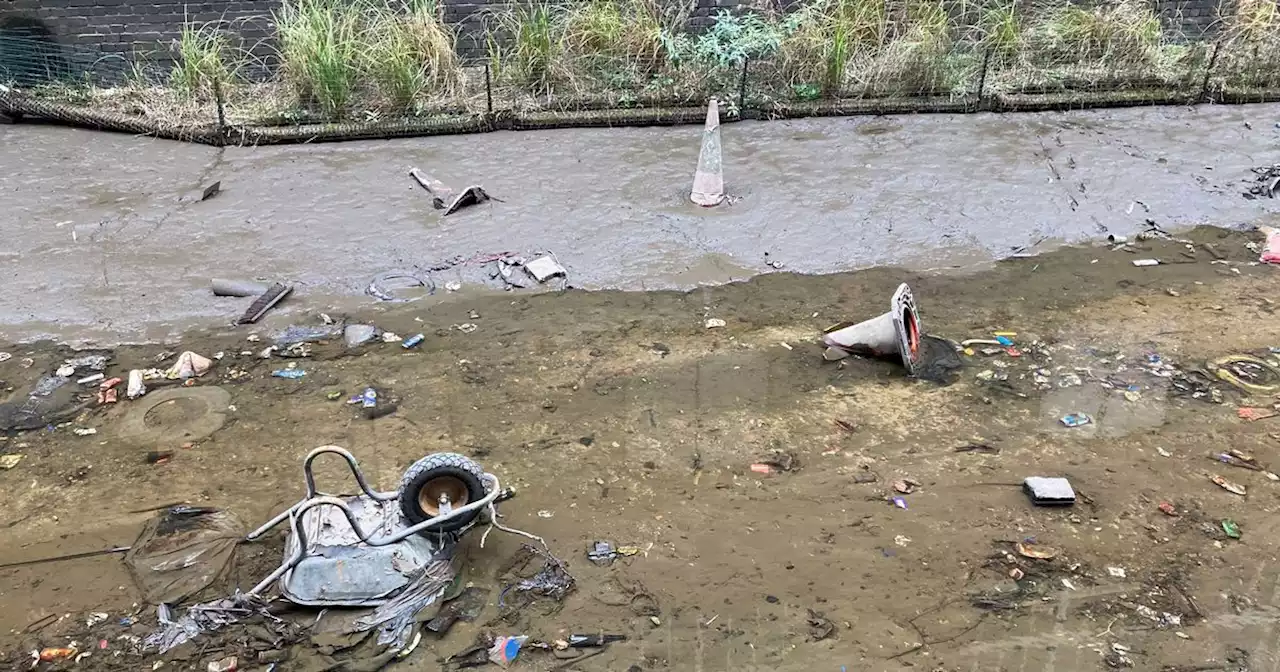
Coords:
362,551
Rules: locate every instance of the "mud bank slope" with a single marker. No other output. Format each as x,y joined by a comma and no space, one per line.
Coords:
620,416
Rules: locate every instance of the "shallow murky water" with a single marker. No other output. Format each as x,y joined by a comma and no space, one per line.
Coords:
97,244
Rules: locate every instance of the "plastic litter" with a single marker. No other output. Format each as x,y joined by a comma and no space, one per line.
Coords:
413,341
1075,420
1271,247
1240,459
10,461
93,362
1233,488
203,617
396,618
1254,413
296,333
52,654
1045,491
1231,529
602,553
505,649
189,365
544,268
1146,262
553,580
576,641
291,374
228,664
182,551
107,392
1030,550
358,334
48,384
366,399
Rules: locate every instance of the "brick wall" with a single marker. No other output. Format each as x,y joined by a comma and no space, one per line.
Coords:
82,30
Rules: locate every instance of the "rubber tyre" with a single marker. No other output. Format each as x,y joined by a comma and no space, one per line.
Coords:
436,466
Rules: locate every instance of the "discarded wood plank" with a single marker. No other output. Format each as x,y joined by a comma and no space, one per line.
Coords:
274,294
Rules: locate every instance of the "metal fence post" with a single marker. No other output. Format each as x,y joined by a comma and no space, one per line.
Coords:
1208,71
217,99
488,89
742,87
982,78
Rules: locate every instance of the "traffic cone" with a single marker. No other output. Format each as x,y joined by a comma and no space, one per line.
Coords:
708,181
896,332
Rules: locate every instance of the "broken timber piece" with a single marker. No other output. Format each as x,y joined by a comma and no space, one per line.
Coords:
201,193
708,180
444,198
274,294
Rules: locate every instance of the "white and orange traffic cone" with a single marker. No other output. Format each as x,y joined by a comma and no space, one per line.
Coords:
708,181
896,332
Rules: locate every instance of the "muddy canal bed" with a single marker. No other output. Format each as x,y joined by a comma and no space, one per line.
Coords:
620,416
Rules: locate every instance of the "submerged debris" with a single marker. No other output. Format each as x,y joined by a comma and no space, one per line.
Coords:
1266,180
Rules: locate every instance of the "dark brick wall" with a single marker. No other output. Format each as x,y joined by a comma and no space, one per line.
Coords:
149,27
129,27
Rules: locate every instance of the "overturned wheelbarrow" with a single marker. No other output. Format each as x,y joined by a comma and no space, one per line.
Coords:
378,547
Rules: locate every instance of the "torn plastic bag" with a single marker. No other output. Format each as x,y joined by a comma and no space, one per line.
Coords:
200,618
1270,248
396,618
182,551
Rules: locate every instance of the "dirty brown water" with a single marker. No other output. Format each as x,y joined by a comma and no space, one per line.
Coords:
97,245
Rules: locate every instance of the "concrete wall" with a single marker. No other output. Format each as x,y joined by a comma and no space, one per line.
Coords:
83,28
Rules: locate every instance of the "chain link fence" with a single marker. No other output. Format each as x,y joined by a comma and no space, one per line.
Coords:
213,101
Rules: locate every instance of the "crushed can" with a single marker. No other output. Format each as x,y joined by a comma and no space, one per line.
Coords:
413,341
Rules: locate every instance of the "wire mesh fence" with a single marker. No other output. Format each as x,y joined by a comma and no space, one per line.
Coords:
596,87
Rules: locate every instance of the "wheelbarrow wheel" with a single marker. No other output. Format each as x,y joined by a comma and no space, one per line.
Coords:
442,475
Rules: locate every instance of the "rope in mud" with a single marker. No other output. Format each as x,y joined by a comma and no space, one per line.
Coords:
16,104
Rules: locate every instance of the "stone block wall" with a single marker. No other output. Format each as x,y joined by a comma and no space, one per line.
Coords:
129,28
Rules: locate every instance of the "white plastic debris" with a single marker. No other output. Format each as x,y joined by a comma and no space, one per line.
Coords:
715,323
65,371
1146,262
189,365
1049,491
4,356
544,268
135,386
84,431
1116,572
91,379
